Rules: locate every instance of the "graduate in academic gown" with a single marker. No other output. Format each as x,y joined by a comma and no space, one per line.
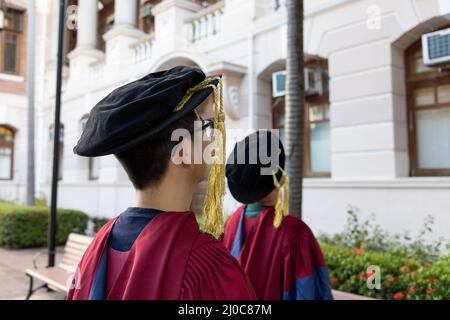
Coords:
278,251
155,249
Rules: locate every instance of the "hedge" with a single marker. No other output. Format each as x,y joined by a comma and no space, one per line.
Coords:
25,227
401,277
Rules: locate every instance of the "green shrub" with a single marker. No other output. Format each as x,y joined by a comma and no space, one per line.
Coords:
99,223
401,277
25,227
410,268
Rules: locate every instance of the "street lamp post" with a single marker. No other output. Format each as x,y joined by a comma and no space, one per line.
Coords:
52,226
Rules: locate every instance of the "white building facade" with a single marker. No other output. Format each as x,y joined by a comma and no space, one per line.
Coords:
377,131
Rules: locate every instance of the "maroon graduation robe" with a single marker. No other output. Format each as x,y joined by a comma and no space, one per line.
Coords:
170,259
284,263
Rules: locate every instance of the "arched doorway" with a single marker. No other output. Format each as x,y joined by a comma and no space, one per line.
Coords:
317,120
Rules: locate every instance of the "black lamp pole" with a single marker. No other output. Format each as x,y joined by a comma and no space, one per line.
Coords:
56,136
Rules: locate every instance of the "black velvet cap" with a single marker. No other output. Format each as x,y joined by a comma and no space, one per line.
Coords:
139,110
245,180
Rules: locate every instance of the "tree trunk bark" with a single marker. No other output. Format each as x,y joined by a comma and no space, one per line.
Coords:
295,105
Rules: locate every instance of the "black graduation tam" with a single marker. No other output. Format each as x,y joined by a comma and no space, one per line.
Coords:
137,111
243,170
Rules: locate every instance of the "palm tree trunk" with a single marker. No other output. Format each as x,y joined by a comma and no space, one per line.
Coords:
295,105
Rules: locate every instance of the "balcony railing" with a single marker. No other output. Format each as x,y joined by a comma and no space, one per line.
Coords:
98,69
206,23
142,49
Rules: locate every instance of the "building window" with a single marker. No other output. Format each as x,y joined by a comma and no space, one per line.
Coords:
11,42
146,21
428,91
317,159
61,148
94,163
6,152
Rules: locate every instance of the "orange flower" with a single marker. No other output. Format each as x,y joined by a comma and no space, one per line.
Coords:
413,273
411,289
399,295
430,290
359,250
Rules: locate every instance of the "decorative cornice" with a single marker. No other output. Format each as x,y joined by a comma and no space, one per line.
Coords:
123,30
183,4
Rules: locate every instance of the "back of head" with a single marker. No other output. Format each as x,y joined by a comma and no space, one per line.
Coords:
147,162
251,165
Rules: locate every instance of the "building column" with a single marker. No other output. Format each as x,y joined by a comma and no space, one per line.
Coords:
125,13
86,51
170,26
87,24
123,34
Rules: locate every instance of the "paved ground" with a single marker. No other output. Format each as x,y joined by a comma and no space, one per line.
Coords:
14,282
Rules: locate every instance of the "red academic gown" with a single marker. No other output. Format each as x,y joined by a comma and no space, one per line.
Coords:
170,259
284,263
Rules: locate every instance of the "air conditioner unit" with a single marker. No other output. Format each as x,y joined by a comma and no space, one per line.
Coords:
313,82
436,48
2,19
279,84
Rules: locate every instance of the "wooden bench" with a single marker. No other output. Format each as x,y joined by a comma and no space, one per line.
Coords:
57,278
340,295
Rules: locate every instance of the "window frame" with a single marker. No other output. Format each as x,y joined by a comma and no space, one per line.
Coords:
414,82
3,42
10,145
91,160
278,107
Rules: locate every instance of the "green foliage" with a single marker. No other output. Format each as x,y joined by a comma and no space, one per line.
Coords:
369,235
401,277
25,227
99,223
409,268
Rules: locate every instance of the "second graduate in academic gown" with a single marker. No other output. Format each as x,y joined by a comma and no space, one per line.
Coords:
282,261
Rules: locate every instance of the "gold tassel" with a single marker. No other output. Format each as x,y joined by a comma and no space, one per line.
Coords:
213,209
282,204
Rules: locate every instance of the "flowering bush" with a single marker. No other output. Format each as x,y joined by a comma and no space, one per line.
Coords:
409,269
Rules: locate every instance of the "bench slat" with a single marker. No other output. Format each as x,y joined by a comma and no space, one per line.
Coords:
79,238
57,277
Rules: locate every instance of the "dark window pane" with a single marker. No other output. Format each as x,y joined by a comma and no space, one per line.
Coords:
5,163
11,38
13,20
10,58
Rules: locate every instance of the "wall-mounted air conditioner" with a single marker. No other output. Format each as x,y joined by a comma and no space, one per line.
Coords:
313,82
436,48
279,84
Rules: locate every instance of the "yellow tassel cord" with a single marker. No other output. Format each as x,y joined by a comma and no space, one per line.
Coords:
212,209
282,205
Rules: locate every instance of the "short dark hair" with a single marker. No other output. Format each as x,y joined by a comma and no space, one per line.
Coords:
147,162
